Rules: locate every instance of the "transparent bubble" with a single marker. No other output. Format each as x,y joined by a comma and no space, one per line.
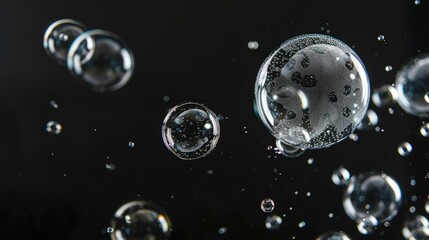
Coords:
190,131
301,224
354,137
59,36
273,222
54,127
312,91
131,144
412,84
334,236
109,230
417,2
54,104
369,121
253,45
416,228
222,230
388,68
384,96
367,225
372,195
110,167
340,176
267,205
140,220
101,60
381,38
405,148
288,151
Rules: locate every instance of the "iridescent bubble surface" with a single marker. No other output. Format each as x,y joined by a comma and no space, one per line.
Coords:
334,236
312,91
412,83
416,228
190,131
140,220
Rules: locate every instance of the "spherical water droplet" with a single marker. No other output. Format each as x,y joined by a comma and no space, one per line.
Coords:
140,220
416,228
273,222
59,36
369,121
131,144
412,84
101,60
109,230
384,96
267,205
381,38
190,131
222,230
312,91
340,176
253,45
288,151
301,224
372,194
405,148
53,127
334,236
367,225
388,68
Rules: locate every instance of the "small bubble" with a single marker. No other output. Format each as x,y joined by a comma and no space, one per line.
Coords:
267,205
340,176
354,137
308,194
381,38
426,97
413,182
310,161
301,224
331,215
369,121
110,167
222,230
424,130
384,96
387,224
253,45
427,206
417,2
391,111
414,198
273,222
54,104
412,209
210,172
131,144
166,98
53,127
405,149
388,68
109,230
367,225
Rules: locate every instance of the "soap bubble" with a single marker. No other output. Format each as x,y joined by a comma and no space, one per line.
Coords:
288,151
140,220
404,149
340,176
59,36
384,96
267,205
54,127
416,228
190,131
372,195
273,222
101,60
334,236
412,83
369,121
312,91
367,225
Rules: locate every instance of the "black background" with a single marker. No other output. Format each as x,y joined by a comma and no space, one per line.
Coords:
57,187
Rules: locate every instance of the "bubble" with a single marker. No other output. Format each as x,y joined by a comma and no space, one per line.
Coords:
417,2
312,91
301,224
372,195
267,205
381,38
384,96
354,137
412,84
334,236
416,228
388,68
110,167
109,230
190,131
59,36
310,161
367,225
222,230
253,45
166,98
404,149
140,220
54,104
340,176
273,222
131,144
54,127
369,121
101,60
288,151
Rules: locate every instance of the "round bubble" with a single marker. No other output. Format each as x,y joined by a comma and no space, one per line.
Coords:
59,36
140,220
334,236
101,60
424,130
372,195
190,131
340,176
367,225
267,205
369,121
416,228
412,83
384,96
405,149
312,91
288,151
54,127
273,222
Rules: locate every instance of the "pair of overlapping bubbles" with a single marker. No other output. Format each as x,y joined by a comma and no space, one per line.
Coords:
99,58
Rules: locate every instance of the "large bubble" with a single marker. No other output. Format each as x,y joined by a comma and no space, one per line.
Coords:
312,91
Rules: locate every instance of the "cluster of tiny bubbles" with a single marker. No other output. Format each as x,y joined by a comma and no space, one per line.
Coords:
371,199
140,220
334,236
416,228
312,91
54,127
253,45
412,84
190,130
384,96
424,130
340,176
267,205
288,151
369,121
273,222
59,36
405,149
388,68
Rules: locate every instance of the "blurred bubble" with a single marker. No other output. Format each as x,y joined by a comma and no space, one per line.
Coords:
405,148
140,220
417,2
340,176
253,45
267,205
54,104
416,228
354,137
388,68
59,36
54,127
367,225
301,224
384,96
288,151
273,222
109,230
334,236
412,84
110,167
312,91
190,131
131,144
381,38
222,230
369,121
101,60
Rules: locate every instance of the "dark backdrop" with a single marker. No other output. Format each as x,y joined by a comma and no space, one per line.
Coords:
57,187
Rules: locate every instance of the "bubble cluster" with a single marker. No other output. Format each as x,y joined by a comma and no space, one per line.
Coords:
384,96
54,127
312,91
416,228
334,236
190,131
267,205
